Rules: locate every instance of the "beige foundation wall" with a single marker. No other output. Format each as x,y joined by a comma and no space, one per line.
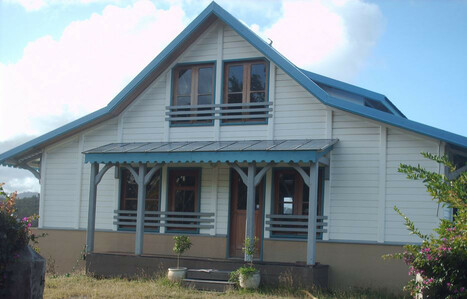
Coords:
356,265
350,265
64,247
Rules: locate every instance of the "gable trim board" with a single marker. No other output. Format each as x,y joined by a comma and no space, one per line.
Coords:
304,78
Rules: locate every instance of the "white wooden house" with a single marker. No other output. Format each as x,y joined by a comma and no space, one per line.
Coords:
221,137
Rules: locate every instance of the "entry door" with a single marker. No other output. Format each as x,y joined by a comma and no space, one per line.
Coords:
238,198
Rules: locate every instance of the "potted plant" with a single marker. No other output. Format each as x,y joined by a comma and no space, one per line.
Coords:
247,276
182,244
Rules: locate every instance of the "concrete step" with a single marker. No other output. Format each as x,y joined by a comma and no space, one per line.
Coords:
208,285
208,274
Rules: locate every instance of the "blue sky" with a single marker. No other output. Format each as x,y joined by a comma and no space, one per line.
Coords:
60,60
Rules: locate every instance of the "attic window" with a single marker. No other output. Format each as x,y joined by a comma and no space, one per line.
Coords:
193,87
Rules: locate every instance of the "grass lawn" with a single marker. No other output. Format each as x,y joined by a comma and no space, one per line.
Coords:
82,286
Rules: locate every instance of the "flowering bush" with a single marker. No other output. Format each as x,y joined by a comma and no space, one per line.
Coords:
15,234
439,264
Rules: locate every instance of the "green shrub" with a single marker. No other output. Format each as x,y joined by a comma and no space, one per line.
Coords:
441,260
15,234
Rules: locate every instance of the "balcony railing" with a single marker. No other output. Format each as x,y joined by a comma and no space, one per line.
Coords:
169,220
241,112
293,224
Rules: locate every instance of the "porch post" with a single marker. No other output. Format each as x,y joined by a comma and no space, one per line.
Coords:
250,206
312,211
92,209
140,209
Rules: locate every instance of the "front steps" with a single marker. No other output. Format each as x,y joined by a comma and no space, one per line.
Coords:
208,280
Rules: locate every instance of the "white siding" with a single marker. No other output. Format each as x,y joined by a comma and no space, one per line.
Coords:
223,200
144,119
298,114
61,171
235,47
354,179
408,195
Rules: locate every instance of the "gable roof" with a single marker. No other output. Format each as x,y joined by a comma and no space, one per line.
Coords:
304,78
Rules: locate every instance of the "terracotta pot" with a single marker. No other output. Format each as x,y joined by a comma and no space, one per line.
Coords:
250,282
177,274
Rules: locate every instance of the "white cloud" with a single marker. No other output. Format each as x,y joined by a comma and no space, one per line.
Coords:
85,68
329,37
34,5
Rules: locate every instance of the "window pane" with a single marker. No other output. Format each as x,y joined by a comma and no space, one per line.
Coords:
184,82
184,201
185,180
205,80
205,100
151,205
131,188
235,78
131,205
286,193
152,189
257,97
258,77
181,101
234,98
306,196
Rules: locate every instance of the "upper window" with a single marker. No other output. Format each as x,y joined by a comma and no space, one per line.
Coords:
193,86
245,83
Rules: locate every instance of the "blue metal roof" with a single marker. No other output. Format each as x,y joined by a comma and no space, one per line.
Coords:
297,150
301,76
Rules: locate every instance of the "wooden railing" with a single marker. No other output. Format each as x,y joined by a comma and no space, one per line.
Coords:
293,224
169,220
224,112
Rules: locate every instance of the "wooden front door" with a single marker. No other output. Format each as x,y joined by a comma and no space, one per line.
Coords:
238,195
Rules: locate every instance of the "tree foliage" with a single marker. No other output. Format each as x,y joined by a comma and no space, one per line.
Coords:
439,263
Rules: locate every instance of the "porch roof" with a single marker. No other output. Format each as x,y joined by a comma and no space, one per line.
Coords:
301,150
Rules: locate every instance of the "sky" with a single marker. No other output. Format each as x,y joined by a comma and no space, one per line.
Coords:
60,60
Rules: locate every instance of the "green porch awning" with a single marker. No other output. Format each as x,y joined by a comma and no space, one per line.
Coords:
302,150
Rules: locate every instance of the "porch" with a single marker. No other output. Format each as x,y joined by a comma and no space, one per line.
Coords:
250,211
113,264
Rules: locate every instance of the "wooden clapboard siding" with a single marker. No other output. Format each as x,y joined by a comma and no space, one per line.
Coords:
354,179
235,47
61,171
297,113
203,49
144,119
223,200
410,196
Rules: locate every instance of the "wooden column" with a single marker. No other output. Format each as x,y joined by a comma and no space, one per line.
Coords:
250,206
140,209
312,211
92,209
312,183
96,177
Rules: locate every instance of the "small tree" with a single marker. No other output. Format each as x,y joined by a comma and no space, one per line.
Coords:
182,244
441,260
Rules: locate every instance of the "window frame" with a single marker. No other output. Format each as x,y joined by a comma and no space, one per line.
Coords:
194,90
246,90
297,208
170,202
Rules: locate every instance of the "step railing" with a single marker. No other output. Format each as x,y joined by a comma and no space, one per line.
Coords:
293,224
224,112
169,220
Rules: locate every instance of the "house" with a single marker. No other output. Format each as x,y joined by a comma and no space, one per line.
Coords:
221,137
